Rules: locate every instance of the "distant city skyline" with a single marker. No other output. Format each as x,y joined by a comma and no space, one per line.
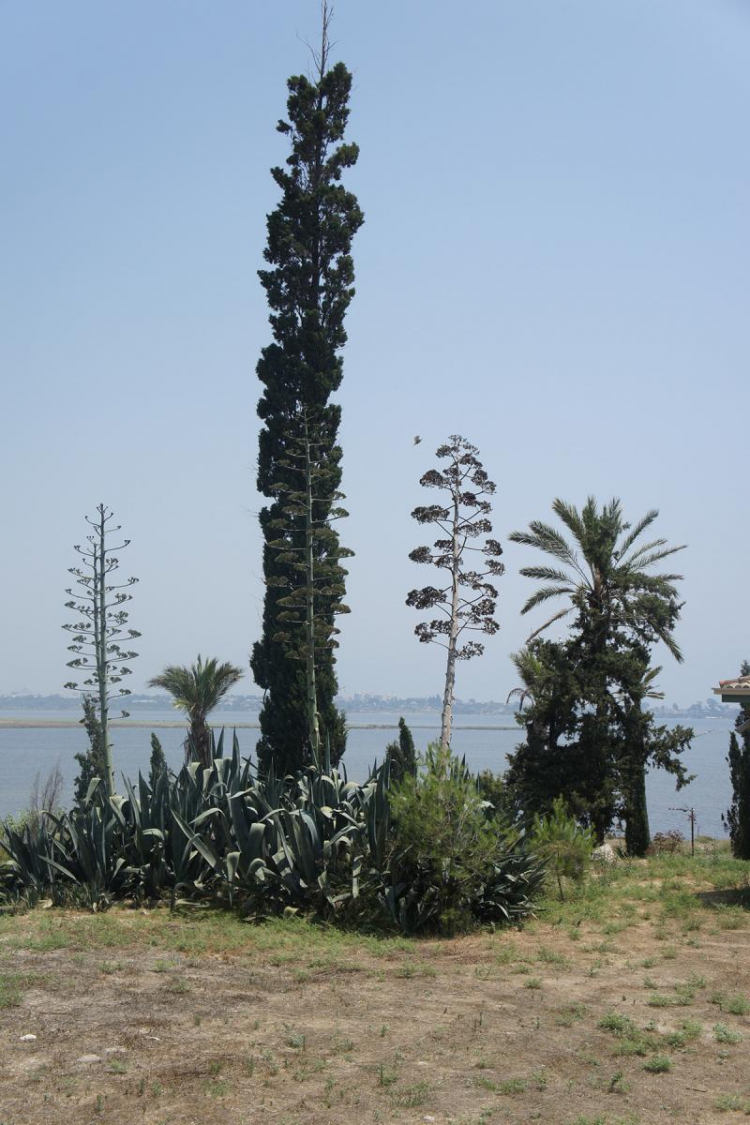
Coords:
359,701
555,263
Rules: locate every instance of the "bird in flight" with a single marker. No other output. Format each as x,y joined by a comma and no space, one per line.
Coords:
417,439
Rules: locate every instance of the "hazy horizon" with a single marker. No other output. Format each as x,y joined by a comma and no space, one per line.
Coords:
554,263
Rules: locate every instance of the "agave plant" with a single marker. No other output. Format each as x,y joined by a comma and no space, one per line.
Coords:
313,842
28,848
89,851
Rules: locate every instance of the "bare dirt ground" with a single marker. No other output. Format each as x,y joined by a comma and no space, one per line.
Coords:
629,1005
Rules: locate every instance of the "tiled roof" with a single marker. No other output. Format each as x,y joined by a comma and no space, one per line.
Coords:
739,686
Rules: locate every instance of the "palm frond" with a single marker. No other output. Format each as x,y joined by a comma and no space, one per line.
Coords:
659,584
571,517
177,682
638,530
649,683
556,617
197,689
547,539
642,550
544,595
657,556
667,637
547,574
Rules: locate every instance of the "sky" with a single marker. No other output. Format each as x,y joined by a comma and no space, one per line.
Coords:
555,263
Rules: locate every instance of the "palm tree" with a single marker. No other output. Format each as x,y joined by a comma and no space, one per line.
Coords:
605,570
196,691
605,574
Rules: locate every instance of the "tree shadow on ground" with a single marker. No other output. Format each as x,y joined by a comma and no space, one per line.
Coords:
729,896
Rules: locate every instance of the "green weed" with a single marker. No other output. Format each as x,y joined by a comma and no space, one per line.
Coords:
659,1064
724,1034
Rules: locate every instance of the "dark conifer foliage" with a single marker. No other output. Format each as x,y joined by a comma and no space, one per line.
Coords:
312,557
589,734
158,763
401,753
737,819
92,762
309,284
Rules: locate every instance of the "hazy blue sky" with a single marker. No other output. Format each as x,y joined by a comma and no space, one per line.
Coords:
555,263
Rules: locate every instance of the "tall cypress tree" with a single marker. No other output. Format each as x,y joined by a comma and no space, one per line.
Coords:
309,284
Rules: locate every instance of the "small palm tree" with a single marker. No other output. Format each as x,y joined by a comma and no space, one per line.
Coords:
196,691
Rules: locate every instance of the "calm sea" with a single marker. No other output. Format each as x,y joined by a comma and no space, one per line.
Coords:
25,751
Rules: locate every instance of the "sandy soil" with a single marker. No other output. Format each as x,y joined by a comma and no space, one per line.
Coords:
188,1026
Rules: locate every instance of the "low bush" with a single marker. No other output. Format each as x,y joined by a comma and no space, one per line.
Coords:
562,844
313,843
666,843
456,865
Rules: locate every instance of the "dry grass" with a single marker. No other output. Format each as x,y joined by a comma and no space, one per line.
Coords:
627,1004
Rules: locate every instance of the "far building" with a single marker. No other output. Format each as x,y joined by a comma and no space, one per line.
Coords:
736,691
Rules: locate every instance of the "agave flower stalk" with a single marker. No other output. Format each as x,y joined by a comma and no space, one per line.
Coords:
101,630
468,599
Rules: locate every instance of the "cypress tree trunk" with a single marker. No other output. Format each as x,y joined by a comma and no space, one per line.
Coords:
312,695
309,284
637,833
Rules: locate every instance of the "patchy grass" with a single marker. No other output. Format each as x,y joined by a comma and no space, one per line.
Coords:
659,1064
724,1034
580,1019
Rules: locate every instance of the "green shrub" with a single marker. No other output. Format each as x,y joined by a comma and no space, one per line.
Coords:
666,843
447,854
312,842
493,791
562,844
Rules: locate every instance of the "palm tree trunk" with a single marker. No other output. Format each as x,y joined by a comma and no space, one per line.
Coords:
199,740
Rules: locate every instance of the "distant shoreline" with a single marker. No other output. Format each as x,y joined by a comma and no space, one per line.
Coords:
166,724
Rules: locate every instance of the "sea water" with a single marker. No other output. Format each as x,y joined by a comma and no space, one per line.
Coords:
485,740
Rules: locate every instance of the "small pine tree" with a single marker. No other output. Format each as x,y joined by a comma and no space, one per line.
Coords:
563,845
91,762
737,818
402,754
158,763
442,844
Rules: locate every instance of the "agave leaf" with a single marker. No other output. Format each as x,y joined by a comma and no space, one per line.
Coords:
59,867
204,816
116,804
92,788
232,861
198,844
